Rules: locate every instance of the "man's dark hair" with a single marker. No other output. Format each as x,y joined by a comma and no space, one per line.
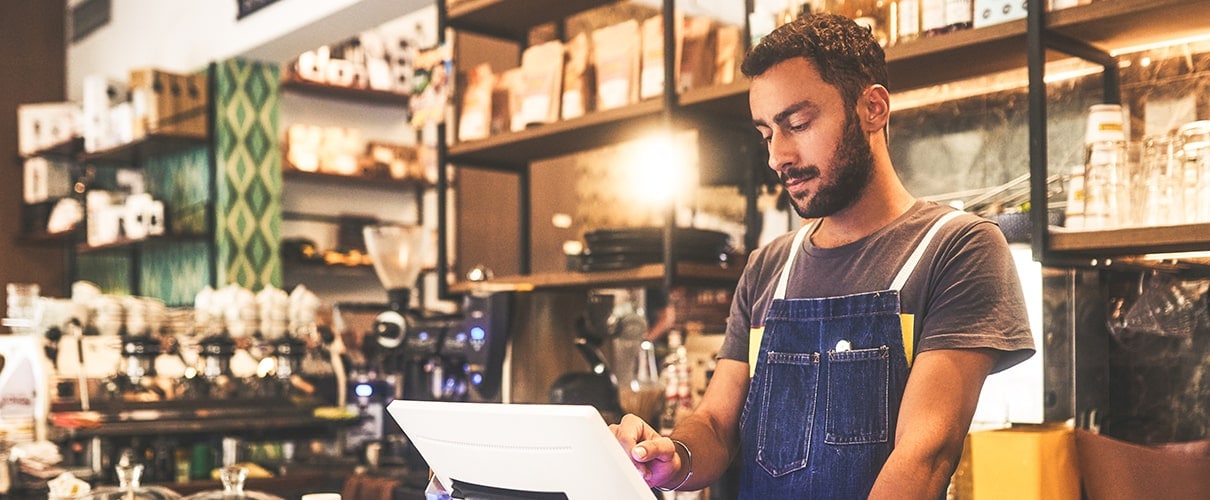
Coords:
846,54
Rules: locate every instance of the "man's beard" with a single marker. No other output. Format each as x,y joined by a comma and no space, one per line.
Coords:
853,166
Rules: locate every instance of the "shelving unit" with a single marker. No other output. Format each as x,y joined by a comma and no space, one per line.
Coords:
1097,32
369,96
342,106
514,151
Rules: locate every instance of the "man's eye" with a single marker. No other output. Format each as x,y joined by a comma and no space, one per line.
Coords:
798,127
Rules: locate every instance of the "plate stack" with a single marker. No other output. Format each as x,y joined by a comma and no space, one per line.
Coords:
612,249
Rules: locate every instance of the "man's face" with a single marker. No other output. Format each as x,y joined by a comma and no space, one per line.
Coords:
816,145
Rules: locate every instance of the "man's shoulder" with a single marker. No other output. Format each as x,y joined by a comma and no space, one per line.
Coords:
960,223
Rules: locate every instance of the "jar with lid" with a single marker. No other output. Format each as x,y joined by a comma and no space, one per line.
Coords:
233,478
130,487
1195,169
1162,176
873,14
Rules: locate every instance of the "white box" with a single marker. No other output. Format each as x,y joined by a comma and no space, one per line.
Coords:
42,125
989,12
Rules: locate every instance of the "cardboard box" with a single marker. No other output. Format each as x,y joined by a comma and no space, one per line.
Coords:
190,107
169,103
1024,463
151,100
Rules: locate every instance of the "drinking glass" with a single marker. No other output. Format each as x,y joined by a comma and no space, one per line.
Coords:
24,312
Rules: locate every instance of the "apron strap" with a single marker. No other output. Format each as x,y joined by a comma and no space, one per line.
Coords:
784,280
914,258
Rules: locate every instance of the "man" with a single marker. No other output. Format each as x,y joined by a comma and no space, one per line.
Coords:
812,389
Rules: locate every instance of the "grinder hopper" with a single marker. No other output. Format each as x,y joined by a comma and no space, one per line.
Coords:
396,252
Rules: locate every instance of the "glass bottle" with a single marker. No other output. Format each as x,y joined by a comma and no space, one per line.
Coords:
873,14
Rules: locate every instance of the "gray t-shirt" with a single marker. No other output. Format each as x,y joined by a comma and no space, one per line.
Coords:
965,292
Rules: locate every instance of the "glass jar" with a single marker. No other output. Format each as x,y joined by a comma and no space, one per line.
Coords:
1162,177
1195,170
232,477
129,487
1106,197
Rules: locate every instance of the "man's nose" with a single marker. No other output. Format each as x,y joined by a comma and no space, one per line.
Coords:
781,153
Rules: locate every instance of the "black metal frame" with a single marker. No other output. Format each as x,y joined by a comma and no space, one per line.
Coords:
1039,39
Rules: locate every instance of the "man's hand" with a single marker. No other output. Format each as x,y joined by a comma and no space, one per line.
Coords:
652,454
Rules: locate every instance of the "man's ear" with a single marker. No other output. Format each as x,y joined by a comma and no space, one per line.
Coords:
874,108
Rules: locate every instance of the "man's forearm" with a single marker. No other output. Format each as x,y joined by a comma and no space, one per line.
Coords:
906,477
711,454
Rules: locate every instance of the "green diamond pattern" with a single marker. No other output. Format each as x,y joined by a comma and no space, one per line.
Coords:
249,166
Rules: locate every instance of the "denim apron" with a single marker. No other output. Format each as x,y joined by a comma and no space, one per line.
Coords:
829,375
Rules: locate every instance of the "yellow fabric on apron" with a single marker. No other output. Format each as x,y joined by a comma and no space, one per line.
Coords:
907,323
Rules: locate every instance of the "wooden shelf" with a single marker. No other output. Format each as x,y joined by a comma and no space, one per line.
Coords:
367,96
1111,25
516,149
512,20
648,274
46,238
1115,25
350,180
1133,241
67,150
153,144
125,243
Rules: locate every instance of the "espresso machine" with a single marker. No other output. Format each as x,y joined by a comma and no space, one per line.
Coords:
426,355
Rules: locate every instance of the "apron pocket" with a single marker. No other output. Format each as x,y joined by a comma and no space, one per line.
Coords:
857,409
787,408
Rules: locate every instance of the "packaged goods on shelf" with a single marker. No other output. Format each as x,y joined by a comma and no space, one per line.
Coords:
302,147
102,107
169,103
728,52
474,121
651,79
431,85
697,54
339,151
44,179
1063,4
542,66
616,57
506,100
577,79
395,161
989,12
43,125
